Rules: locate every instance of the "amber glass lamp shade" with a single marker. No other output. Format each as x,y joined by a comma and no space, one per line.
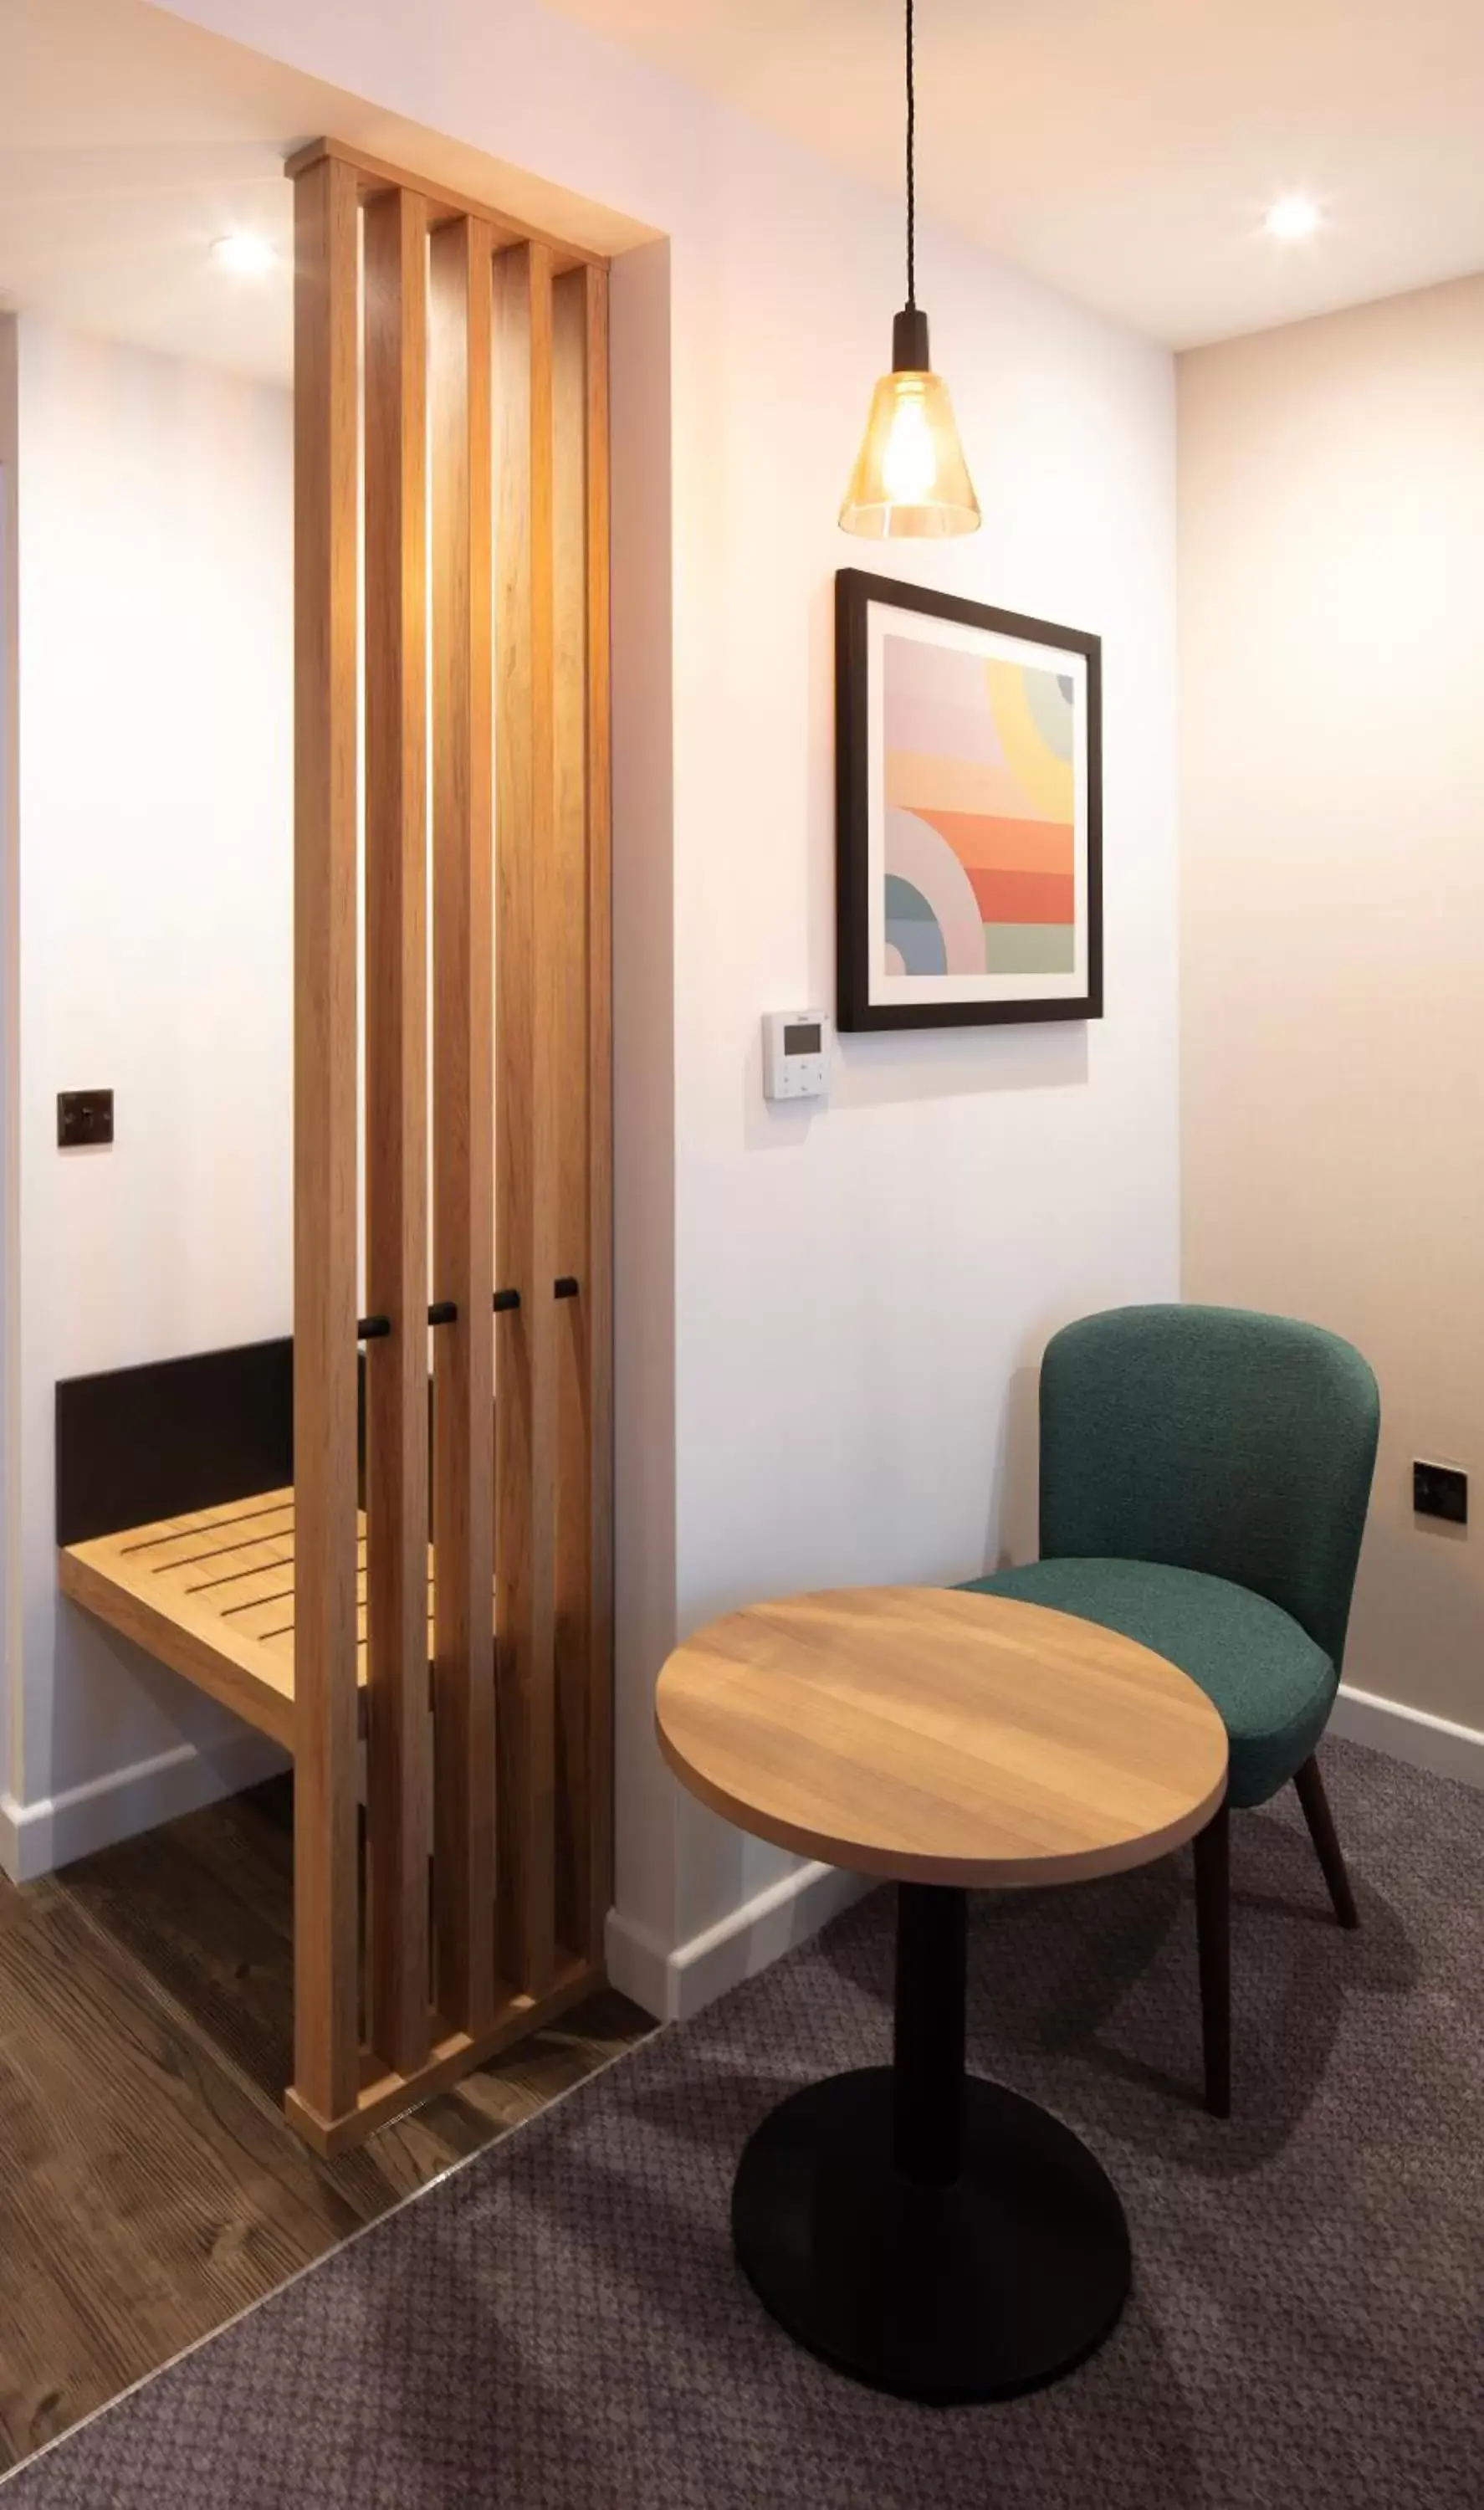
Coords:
910,481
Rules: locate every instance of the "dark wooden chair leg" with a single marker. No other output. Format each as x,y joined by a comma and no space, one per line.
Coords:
1213,1936
1322,1830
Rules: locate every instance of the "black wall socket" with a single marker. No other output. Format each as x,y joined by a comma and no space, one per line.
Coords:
84,1118
1440,1490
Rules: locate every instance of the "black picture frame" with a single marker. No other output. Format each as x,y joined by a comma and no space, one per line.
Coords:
854,593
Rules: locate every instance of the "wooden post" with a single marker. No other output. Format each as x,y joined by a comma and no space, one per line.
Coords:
576,942
327,2028
463,1116
526,1421
598,1284
397,1824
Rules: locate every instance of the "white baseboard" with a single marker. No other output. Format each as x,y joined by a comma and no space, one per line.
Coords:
675,1983
1411,1734
35,1838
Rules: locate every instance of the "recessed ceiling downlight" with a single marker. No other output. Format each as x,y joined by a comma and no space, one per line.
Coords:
245,254
1293,218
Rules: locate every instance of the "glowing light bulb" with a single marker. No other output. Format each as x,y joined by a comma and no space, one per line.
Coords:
908,463
910,479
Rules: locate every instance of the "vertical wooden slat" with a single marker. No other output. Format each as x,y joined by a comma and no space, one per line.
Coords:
397,1829
578,941
599,1098
463,1085
326,2033
526,1422
563,939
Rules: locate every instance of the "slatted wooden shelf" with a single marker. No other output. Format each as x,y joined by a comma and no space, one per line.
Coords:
212,1596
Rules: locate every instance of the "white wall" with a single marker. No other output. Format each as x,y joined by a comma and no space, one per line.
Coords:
1332,615
155,687
838,1388
858,1287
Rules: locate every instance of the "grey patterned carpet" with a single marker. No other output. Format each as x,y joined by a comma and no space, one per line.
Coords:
558,2325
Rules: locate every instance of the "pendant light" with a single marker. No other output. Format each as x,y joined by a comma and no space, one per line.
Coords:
910,479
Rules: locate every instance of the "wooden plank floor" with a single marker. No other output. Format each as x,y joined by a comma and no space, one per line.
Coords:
150,2187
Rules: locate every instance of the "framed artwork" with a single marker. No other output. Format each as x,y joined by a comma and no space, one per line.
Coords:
968,768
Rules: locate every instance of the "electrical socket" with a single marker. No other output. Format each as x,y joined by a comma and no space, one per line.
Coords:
1440,1490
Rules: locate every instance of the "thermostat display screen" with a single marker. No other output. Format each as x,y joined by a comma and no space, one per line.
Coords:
794,1046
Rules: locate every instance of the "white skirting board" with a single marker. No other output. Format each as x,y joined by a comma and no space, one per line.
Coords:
1411,1734
676,1984
34,1837
673,1985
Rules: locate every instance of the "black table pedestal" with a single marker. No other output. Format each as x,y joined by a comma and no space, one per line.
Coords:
928,2232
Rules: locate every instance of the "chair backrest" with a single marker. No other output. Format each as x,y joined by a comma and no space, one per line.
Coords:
1217,1440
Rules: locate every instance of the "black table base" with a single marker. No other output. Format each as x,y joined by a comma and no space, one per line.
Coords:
930,2234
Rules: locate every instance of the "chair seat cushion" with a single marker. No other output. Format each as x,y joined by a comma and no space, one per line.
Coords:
1272,1684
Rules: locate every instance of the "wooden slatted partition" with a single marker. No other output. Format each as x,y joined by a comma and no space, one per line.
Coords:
487,1783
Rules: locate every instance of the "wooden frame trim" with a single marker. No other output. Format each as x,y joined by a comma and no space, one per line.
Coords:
374,176
599,1007
562,940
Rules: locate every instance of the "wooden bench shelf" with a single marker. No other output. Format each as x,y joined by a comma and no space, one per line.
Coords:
212,1595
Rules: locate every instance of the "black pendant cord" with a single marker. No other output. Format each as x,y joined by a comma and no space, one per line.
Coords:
911,168
909,331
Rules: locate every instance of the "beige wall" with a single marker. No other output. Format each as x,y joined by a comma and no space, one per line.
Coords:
1331,535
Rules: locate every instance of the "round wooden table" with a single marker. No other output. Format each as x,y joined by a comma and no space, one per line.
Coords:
926,2230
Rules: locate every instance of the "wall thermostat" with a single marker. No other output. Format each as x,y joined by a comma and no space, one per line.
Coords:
794,1044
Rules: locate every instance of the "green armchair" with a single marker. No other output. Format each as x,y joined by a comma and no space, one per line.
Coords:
1204,1478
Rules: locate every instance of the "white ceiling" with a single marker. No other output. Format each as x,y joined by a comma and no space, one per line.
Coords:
1125,150
128,140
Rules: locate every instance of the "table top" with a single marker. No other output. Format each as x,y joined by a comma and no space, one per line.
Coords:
932,1736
